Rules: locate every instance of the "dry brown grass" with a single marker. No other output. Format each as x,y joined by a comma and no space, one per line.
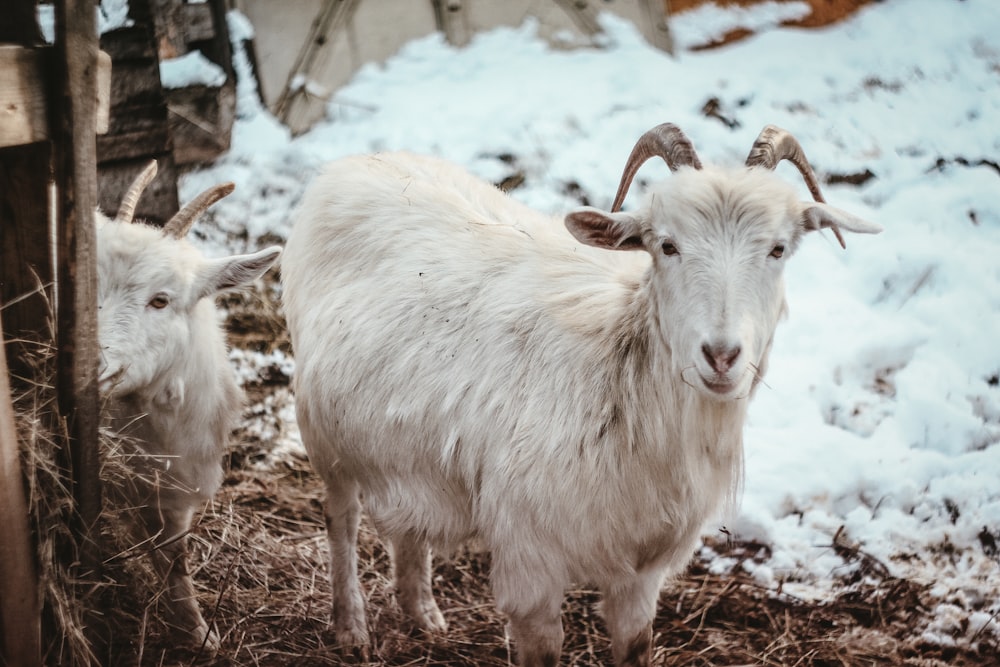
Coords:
260,566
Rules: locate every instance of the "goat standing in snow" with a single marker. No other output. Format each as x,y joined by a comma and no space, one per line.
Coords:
468,369
165,370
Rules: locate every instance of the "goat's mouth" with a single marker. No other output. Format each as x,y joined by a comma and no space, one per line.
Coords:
109,379
719,386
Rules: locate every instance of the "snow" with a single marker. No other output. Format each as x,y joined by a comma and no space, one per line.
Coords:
190,69
706,23
880,419
111,15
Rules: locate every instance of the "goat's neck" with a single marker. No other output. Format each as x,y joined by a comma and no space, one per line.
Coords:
703,430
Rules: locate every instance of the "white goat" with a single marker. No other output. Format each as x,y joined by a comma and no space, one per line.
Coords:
165,370
469,370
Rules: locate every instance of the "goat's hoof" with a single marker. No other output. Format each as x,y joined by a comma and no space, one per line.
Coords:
354,653
205,638
352,643
430,619
423,612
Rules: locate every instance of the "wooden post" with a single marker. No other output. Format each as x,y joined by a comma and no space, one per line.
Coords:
20,607
452,19
24,182
74,104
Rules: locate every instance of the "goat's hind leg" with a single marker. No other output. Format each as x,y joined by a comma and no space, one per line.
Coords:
411,562
343,516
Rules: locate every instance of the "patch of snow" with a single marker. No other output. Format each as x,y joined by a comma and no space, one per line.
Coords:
709,23
190,69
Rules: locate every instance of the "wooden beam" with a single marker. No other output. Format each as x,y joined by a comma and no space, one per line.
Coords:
23,94
20,23
26,270
138,130
20,607
199,25
452,18
658,17
23,114
73,104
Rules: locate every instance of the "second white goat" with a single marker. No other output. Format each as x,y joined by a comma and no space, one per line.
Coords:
468,369
171,392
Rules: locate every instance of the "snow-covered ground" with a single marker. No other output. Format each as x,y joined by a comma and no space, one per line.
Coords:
880,418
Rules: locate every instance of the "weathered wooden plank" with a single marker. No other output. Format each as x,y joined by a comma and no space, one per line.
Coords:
218,48
129,43
201,121
20,24
201,117
138,130
20,608
657,14
75,170
453,19
23,97
23,111
199,25
168,19
148,137
159,199
25,259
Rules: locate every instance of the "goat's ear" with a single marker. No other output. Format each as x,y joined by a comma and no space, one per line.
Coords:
235,271
611,231
823,216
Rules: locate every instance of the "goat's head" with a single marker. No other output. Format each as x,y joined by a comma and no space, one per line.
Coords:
719,239
152,290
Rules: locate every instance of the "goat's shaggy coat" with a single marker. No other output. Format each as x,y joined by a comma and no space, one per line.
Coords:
470,370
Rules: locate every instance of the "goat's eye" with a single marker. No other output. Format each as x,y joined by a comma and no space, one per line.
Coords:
160,301
669,249
778,251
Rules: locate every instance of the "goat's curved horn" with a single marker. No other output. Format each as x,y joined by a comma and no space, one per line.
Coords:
773,145
179,225
666,141
127,209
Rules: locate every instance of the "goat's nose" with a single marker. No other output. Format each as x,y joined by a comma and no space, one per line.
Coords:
720,356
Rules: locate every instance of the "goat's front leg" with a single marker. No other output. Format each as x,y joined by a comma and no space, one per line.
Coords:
629,607
168,529
531,598
411,562
343,516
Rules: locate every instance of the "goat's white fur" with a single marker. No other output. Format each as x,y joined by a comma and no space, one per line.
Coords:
470,370
170,388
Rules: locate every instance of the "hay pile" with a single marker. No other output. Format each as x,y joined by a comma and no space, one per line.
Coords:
260,566
258,559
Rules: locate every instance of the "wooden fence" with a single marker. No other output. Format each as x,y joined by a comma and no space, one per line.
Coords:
49,122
